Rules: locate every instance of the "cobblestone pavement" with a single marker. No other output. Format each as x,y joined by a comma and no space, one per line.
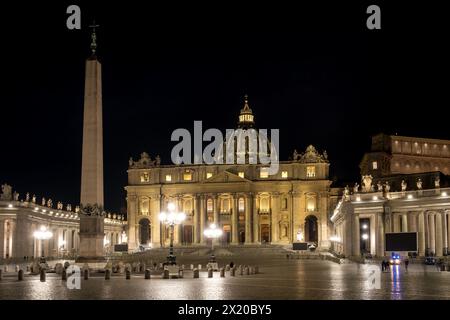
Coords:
279,279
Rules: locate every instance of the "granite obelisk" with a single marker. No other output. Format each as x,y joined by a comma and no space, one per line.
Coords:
91,216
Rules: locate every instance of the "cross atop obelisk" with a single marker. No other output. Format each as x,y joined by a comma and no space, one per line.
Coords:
93,37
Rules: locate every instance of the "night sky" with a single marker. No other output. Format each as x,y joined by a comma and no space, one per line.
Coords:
316,73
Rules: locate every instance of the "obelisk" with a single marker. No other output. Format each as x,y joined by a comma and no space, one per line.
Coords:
91,215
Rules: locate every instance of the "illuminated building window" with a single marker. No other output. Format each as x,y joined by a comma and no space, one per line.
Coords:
168,177
310,203
208,175
241,205
209,205
145,177
187,176
310,171
374,165
263,173
284,174
264,204
241,174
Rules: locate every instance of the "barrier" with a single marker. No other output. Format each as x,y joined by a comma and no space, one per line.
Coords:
64,275
20,275
86,274
232,272
210,273
42,275
128,274
196,273
107,274
147,274
166,274
222,272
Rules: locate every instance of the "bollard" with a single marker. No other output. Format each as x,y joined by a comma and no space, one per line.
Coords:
166,274
20,275
192,267
222,272
199,267
107,274
196,273
42,276
86,274
64,275
256,269
128,274
1,275
227,268
147,274
246,271
210,273
232,272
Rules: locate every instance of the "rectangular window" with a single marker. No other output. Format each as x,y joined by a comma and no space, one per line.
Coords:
168,177
284,174
264,173
374,165
187,176
310,171
208,175
241,174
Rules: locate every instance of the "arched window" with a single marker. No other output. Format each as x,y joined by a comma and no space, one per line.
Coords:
145,206
241,205
187,205
311,201
225,205
264,204
209,205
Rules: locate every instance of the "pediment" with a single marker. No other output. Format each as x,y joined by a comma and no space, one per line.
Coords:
225,176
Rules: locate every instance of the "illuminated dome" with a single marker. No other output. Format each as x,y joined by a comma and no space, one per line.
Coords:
248,143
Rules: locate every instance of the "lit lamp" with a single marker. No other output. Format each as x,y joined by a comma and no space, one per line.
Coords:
42,234
171,218
212,233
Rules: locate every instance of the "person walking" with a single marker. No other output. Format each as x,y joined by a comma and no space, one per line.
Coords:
406,264
383,265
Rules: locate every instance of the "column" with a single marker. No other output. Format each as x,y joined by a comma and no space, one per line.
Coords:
155,206
356,236
427,232
448,231
445,232
296,224
404,222
380,235
216,216
196,218
432,230
422,243
132,224
248,221
2,239
275,207
439,244
395,224
202,218
255,220
234,218
412,222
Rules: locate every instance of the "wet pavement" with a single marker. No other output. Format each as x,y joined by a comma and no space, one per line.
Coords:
278,279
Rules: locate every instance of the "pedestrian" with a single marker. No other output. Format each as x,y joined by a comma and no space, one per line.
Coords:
231,264
406,264
388,266
383,265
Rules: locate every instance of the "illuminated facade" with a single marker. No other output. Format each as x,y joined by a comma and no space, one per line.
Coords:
248,204
19,219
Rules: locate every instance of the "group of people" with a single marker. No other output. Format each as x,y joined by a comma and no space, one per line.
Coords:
386,265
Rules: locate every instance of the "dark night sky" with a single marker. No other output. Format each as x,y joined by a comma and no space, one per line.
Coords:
316,73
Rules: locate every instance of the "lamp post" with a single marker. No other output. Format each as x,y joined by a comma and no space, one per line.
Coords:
42,234
171,218
212,233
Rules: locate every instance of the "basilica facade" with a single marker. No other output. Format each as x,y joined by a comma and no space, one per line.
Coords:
243,200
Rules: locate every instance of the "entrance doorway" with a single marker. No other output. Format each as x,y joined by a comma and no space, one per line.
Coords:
265,233
241,236
188,235
144,231
311,230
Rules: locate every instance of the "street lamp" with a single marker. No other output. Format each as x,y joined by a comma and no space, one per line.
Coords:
171,218
212,233
42,234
